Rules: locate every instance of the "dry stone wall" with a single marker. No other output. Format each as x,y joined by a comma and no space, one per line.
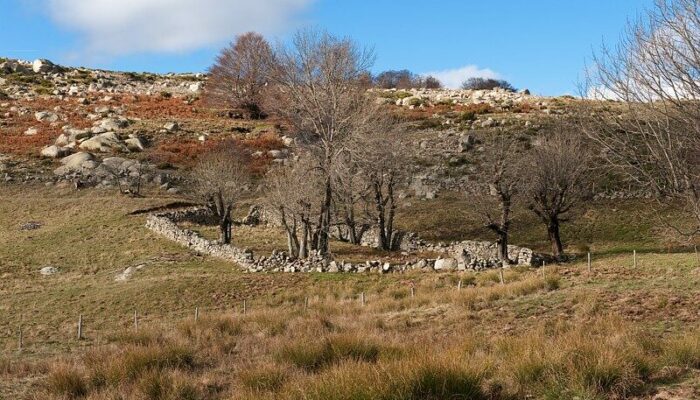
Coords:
458,256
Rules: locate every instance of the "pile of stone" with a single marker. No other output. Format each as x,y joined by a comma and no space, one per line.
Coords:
480,255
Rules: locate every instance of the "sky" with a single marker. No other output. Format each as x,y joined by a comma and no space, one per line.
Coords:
542,45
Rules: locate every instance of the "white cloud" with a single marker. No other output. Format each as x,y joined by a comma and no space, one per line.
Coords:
118,27
453,78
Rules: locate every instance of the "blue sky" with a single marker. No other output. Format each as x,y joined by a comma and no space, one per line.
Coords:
539,44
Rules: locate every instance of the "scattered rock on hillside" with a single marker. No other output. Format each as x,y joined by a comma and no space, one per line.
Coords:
42,66
46,116
103,143
134,144
74,162
171,127
113,124
128,273
30,226
54,151
48,270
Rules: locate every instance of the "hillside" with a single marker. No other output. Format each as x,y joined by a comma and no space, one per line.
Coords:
160,320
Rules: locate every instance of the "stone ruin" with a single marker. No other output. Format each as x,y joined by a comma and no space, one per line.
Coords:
457,256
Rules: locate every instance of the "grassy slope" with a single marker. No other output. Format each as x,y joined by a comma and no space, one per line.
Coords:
90,237
610,226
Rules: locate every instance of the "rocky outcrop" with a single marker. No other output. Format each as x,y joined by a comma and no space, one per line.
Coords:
430,97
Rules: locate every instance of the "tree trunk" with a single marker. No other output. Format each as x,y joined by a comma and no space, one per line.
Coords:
503,246
225,230
389,228
292,239
381,221
304,246
325,220
504,229
555,238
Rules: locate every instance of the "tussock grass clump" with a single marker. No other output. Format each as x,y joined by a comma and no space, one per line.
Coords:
415,378
129,364
684,351
315,355
67,382
265,378
606,358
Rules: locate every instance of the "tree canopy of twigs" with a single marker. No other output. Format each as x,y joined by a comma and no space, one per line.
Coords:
501,184
293,192
486,84
239,75
319,88
557,177
219,179
653,135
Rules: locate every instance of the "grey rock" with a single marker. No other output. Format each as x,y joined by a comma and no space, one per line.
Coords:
48,271
171,127
54,151
103,143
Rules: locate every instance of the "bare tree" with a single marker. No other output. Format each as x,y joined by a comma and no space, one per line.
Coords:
503,182
128,176
380,158
557,174
486,84
403,79
431,82
653,133
318,87
238,77
220,178
292,193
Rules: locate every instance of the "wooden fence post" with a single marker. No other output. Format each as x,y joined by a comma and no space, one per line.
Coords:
362,298
244,307
196,314
20,342
500,276
80,326
634,256
589,262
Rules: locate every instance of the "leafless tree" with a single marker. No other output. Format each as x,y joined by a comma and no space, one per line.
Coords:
402,79
318,87
292,193
238,77
557,175
220,178
431,82
503,183
486,84
381,162
653,132
129,178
